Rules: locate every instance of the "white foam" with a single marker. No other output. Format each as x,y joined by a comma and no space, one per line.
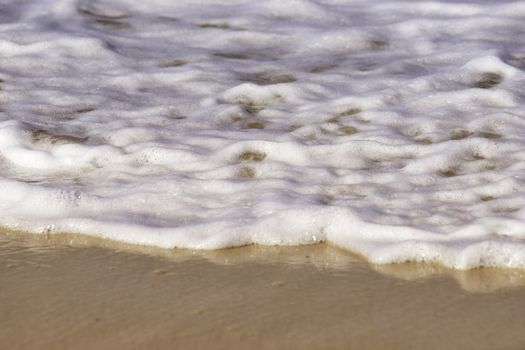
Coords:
392,129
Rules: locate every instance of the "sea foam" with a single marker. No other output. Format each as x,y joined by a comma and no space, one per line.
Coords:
392,128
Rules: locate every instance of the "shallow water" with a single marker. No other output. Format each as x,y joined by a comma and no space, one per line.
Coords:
391,128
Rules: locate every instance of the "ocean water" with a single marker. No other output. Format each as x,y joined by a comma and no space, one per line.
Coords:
395,129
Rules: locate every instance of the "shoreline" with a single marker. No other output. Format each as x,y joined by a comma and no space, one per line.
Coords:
495,277
68,291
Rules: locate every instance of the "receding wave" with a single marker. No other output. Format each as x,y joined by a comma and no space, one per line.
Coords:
390,128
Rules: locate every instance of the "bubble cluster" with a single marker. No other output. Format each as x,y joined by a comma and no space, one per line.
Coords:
393,131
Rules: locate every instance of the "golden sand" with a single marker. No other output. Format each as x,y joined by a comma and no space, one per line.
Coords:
72,292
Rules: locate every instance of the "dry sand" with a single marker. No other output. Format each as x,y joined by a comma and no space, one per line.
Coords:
72,292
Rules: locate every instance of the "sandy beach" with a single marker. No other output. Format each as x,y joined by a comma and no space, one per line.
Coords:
73,292
308,149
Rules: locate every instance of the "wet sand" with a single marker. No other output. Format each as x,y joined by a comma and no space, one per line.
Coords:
72,292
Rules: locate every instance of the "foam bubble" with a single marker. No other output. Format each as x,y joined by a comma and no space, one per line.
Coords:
394,132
